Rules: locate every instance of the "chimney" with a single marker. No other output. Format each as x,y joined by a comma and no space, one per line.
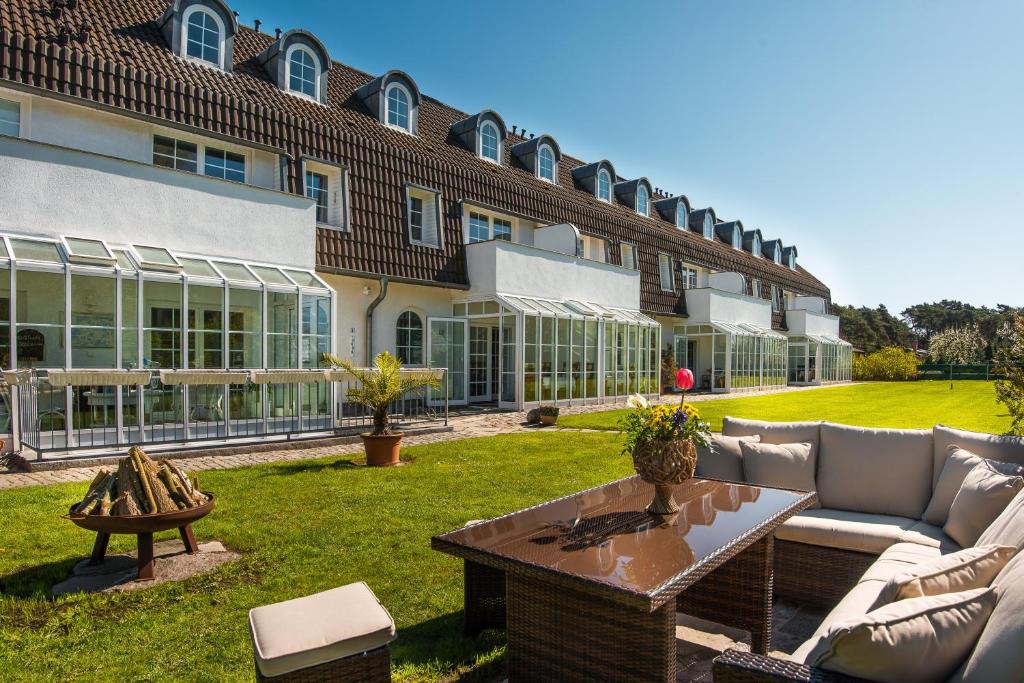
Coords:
257,23
277,33
531,136
513,130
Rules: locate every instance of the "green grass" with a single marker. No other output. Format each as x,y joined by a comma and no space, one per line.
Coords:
302,527
969,405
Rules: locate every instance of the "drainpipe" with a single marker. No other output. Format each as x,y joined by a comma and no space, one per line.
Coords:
369,318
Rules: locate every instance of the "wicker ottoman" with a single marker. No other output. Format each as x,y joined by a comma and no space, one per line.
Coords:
338,635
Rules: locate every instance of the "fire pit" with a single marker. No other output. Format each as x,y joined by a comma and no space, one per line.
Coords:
141,497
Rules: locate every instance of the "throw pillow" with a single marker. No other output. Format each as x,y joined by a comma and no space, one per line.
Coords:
722,458
785,466
981,498
964,570
958,463
920,640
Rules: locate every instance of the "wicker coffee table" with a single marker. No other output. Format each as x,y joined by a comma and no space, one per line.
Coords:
593,582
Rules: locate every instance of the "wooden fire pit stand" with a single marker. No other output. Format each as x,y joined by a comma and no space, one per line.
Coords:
143,527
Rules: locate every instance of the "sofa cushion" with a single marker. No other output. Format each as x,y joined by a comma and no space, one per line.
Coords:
920,640
898,559
722,459
988,446
880,471
858,602
304,632
958,463
963,570
983,496
1008,527
927,534
775,432
998,656
843,529
784,466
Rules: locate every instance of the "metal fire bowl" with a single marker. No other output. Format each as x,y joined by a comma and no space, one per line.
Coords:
142,524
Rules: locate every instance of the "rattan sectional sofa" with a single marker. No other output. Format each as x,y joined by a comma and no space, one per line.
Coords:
880,514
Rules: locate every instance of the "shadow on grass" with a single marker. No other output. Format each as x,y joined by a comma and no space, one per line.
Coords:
438,644
34,582
306,466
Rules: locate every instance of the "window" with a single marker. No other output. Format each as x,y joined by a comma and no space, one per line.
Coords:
628,255
682,217
398,107
423,210
593,248
709,226
737,238
226,165
10,118
546,164
316,189
665,273
641,199
303,73
689,277
776,299
502,230
777,254
479,228
604,186
755,287
755,246
409,338
490,142
203,37
176,154
416,219
791,261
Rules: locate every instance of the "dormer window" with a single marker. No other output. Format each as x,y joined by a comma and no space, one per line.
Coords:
737,238
204,36
709,226
792,261
201,31
490,142
546,163
303,72
682,216
642,200
604,186
756,250
778,256
398,107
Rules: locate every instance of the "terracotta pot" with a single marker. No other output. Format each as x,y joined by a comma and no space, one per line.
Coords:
548,420
382,451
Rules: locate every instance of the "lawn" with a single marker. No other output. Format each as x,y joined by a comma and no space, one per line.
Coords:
968,405
303,527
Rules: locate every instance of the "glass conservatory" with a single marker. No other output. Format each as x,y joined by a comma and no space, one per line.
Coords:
728,357
520,351
820,359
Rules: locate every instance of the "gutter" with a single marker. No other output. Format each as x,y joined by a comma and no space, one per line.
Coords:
369,318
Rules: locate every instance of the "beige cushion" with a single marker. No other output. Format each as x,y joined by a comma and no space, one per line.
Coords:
1008,527
775,432
898,559
958,463
984,494
858,602
881,471
960,571
722,458
857,531
998,656
920,640
304,632
784,466
989,446
924,533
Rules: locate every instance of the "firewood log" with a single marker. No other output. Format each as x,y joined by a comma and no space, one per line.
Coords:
178,494
127,499
143,474
92,495
164,502
106,497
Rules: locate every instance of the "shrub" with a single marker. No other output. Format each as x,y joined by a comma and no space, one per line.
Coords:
1009,362
668,368
890,364
958,345
547,411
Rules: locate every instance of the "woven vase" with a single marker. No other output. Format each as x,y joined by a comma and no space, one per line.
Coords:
665,464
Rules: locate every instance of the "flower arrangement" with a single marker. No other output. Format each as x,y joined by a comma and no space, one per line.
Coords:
645,424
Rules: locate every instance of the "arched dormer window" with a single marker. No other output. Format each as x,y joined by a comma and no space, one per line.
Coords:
709,226
202,31
642,200
490,142
303,72
546,163
604,185
682,215
398,107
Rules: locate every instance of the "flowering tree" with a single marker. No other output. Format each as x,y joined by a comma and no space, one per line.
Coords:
959,345
1009,362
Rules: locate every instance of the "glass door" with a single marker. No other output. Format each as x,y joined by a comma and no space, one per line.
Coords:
446,348
480,363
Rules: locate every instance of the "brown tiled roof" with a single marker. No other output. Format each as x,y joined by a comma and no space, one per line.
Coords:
126,64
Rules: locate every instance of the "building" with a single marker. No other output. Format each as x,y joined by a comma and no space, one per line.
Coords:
179,190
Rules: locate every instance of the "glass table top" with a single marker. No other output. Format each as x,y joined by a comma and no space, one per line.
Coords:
605,536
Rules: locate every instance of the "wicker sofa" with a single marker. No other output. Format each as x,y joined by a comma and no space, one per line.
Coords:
877,518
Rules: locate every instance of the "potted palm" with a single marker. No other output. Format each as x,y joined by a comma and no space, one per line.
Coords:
377,388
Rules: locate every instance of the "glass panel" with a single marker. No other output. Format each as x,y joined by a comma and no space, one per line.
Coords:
5,330
129,323
93,321
316,329
409,338
531,367
245,325
448,350
124,260
83,247
36,251
271,276
156,255
282,329
508,358
235,271
205,326
198,268
10,118
304,278
40,319
161,311
563,360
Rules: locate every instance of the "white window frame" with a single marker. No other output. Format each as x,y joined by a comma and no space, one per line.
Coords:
221,36
387,107
337,195
603,173
554,163
708,227
791,263
689,273
665,266
777,298
299,47
681,211
777,254
632,251
737,237
755,245
497,143
490,216
755,288
423,336
24,103
435,197
647,202
201,145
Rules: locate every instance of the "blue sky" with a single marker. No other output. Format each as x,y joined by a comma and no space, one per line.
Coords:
885,139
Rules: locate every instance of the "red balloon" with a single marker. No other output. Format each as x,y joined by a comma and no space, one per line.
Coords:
684,379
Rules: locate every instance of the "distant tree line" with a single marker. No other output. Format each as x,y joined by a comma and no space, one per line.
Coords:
952,330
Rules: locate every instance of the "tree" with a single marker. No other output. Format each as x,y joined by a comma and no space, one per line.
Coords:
871,329
960,345
1009,362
